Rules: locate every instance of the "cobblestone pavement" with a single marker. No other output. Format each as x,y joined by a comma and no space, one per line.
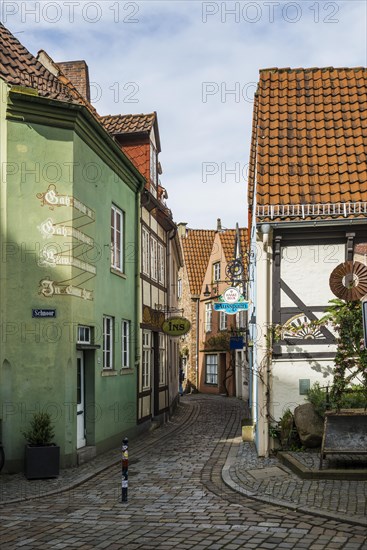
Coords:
270,481
177,497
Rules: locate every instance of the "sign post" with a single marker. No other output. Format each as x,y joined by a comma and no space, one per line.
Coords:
124,469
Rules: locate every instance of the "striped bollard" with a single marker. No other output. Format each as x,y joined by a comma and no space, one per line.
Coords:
124,469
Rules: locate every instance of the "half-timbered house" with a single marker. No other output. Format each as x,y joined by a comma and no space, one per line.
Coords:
308,214
159,258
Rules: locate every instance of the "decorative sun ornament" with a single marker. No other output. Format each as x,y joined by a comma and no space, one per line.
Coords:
301,327
234,269
348,281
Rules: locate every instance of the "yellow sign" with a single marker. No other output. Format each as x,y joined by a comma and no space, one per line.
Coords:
176,326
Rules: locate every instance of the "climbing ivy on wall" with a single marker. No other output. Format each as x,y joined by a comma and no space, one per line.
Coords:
350,363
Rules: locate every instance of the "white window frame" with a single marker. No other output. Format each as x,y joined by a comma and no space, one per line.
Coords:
83,334
117,238
241,319
208,316
211,374
125,344
179,288
146,359
146,251
162,359
161,264
154,259
222,320
216,271
108,341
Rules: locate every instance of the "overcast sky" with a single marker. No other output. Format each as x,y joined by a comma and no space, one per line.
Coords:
196,64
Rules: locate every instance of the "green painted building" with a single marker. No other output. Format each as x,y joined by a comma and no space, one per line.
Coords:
69,276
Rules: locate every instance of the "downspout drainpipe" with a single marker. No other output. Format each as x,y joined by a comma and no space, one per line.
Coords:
196,299
197,345
137,287
265,286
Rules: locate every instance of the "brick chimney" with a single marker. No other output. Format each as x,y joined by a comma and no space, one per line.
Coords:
78,74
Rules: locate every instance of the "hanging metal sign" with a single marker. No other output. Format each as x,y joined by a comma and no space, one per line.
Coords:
176,326
236,342
231,301
231,295
230,309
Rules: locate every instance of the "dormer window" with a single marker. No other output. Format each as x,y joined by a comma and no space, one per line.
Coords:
153,170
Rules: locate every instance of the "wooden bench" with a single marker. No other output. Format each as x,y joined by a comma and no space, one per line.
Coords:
345,432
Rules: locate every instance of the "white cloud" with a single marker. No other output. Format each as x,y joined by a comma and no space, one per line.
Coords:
164,60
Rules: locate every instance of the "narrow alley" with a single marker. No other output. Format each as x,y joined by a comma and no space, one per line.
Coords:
177,498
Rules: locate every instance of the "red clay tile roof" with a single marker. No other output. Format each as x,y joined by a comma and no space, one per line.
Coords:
129,124
309,142
140,156
197,247
19,67
228,239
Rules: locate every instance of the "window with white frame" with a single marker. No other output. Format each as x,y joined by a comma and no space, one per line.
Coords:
211,369
162,359
146,251
179,288
161,264
84,335
125,344
154,259
241,319
146,359
108,323
222,320
117,218
216,271
208,317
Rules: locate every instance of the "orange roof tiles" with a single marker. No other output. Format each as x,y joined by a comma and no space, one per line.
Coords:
197,247
309,137
139,155
18,67
228,239
129,124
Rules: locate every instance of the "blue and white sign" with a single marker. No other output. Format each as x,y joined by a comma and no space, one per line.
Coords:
43,313
230,309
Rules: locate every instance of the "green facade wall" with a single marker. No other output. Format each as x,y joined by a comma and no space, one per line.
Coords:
60,188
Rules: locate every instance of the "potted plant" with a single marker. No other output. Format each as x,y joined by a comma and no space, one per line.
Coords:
42,455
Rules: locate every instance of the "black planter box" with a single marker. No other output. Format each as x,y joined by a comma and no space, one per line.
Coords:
42,462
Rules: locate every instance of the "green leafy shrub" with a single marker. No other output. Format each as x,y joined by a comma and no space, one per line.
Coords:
41,431
351,398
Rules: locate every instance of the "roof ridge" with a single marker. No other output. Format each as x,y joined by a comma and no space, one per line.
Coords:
121,115
299,69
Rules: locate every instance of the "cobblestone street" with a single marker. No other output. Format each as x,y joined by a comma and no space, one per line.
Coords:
177,498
